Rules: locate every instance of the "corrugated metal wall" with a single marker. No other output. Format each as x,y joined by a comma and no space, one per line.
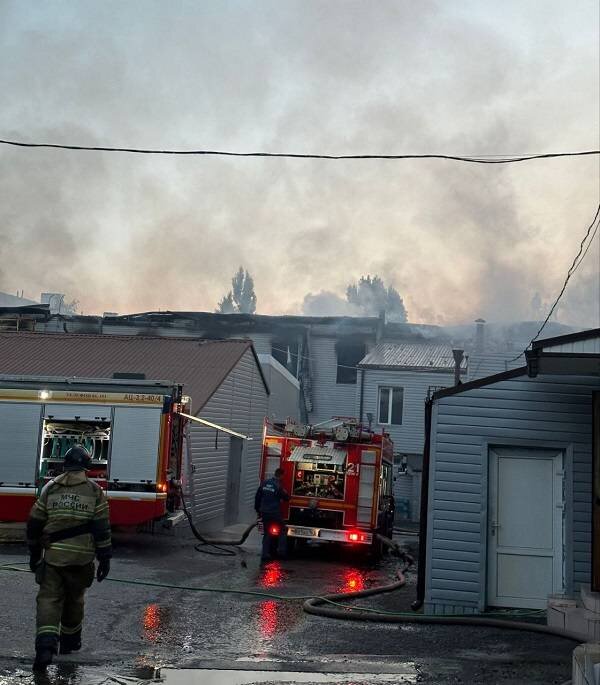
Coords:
544,411
240,404
408,437
482,364
329,398
284,400
261,341
590,346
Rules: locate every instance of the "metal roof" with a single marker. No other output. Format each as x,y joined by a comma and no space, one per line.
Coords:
412,356
200,365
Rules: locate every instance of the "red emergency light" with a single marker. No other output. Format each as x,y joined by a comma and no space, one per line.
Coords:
274,529
356,537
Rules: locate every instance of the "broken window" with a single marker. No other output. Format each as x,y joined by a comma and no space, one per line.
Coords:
285,351
349,354
390,406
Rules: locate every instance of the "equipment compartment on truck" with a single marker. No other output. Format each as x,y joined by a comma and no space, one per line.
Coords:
132,428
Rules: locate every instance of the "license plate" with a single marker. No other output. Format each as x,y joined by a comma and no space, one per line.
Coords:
305,532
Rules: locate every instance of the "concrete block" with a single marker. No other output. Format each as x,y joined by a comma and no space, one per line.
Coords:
562,600
578,620
555,617
591,600
586,665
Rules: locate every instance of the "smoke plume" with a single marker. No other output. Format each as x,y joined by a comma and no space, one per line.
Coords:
125,233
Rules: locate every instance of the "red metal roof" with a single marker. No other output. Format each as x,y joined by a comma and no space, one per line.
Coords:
201,365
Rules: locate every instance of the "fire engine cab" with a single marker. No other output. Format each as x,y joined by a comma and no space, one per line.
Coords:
133,429
339,477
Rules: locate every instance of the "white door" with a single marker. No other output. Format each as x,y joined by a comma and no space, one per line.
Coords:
525,527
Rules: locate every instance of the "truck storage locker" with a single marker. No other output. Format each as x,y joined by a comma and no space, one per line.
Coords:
19,438
135,434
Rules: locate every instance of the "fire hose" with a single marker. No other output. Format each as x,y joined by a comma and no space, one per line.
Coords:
335,606
337,609
218,546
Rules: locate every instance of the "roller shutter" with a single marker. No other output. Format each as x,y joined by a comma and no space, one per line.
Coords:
134,451
19,442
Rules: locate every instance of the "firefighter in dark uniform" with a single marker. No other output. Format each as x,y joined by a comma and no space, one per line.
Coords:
267,503
68,527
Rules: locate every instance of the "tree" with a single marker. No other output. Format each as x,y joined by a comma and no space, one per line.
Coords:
371,296
241,299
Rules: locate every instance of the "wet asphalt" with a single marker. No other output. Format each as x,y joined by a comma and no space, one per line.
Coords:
132,631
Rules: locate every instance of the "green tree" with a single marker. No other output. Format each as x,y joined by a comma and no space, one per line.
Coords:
241,299
371,296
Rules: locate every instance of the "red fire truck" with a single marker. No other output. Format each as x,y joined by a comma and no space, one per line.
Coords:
133,428
340,479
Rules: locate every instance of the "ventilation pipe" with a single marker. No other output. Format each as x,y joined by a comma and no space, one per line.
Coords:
458,357
479,335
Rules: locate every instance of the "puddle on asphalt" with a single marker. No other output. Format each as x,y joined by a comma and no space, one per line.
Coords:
74,674
218,677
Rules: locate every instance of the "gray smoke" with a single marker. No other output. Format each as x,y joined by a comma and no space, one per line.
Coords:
128,233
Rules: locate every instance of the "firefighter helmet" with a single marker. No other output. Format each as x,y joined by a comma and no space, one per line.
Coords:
77,459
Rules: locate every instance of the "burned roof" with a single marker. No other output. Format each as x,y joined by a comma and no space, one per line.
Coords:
416,357
214,323
200,365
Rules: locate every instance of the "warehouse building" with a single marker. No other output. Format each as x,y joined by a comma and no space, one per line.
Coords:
223,378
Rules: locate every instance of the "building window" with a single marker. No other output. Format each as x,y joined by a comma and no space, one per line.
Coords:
390,406
285,351
349,353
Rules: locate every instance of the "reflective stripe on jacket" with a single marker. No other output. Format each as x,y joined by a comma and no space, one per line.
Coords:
67,501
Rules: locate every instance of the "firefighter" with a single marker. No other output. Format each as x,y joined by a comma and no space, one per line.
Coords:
267,503
68,526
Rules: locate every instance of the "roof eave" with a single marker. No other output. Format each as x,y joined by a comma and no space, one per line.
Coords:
568,338
480,382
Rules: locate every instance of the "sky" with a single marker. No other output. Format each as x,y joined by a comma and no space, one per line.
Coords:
130,233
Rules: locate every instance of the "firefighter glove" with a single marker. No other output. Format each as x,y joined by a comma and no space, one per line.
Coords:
103,569
35,556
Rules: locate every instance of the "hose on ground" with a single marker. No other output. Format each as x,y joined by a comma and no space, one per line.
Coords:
347,613
337,610
218,546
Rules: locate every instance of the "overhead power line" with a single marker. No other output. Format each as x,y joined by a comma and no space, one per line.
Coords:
473,159
579,257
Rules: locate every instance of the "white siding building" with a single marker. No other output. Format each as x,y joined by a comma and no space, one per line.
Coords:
395,380
509,468
284,398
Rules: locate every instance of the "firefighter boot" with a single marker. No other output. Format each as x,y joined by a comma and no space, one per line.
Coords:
70,643
43,659
45,649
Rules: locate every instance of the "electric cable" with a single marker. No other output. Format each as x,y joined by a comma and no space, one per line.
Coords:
474,159
572,269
